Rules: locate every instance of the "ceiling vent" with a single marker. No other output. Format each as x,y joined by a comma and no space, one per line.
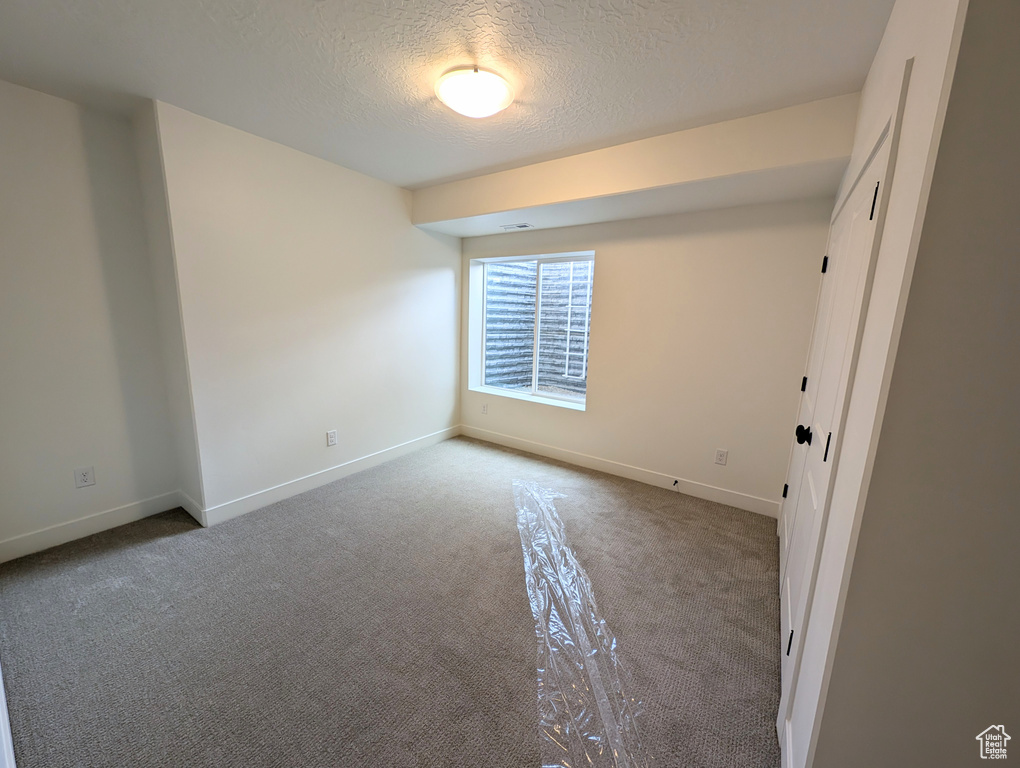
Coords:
515,227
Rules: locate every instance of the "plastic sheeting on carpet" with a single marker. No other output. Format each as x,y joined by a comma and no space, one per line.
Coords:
586,717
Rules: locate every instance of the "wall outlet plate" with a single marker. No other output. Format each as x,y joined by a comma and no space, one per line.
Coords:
84,477
721,456
331,438
485,408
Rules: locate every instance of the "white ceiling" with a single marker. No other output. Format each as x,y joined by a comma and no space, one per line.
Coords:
351,80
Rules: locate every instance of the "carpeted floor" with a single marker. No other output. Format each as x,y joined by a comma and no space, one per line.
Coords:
383,620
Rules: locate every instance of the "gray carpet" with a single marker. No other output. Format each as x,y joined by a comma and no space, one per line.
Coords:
383,620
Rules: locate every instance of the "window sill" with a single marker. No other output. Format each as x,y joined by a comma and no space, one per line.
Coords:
573,405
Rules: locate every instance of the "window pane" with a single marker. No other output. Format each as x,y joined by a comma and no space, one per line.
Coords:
565,317
510,324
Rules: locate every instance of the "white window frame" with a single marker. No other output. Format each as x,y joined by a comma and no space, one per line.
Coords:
476,329
570,316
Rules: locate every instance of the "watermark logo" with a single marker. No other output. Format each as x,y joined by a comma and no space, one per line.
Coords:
993,742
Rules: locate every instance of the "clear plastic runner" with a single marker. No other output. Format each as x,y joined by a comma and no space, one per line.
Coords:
586,717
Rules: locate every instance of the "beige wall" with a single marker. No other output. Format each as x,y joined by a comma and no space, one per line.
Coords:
928,646
168,309
700,326
81,378
309,302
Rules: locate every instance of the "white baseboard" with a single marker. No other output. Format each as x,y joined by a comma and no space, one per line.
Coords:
689,487
192,507
230,509
786,747
61,533
6,740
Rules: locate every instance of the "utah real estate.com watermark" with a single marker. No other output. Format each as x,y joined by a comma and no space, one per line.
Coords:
993,742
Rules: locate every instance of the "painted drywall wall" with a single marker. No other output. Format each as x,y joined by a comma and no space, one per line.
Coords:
168,309
699,333
81,378
928,639
778,144
926,32
309,302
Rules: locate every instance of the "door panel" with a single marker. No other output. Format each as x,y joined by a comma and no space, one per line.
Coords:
823,314
833,357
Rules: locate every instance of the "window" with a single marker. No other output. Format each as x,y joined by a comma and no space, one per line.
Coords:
534,329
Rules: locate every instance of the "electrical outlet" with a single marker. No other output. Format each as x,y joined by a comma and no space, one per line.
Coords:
485,408
331,438
84,477
721,455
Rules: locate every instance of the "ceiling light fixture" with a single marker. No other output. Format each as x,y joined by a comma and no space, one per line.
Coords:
474,92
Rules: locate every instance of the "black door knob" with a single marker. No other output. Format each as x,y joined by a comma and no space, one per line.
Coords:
803,434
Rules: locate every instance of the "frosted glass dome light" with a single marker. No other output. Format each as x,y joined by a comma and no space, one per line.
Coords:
474,92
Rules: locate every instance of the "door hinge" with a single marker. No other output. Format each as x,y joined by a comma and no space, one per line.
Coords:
789,643
803,384
786,489
825,264
827,441
874,201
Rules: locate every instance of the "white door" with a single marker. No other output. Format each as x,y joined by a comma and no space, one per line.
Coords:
809,386
792,509
830,370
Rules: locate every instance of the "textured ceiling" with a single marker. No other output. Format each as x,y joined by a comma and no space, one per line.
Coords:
351,80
